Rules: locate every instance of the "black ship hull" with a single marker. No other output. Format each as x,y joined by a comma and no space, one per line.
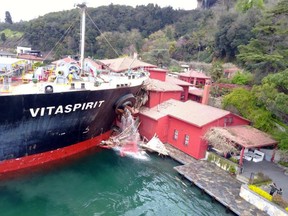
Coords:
33,126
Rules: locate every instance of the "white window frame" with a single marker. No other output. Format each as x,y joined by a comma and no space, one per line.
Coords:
175,135
186,139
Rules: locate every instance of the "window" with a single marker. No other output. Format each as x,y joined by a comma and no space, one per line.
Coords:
186,140
230,120
175,137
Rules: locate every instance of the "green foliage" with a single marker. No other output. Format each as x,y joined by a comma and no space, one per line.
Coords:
261,107
194,35
279,80
267,52
62,28
242,78
273,94
159,57
244,102
8,18
261,192
222,162
224,80
234,30
241,99
119,43
281,135
245,5
262,119
261,179
232,170
37,64
3,37
12,34
234,160
216,71
175,68
283,163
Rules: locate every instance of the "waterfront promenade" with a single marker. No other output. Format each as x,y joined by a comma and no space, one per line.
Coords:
214,181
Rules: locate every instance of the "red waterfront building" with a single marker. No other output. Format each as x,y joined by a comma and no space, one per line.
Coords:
158,73
183,124
183,84
175,118
159,91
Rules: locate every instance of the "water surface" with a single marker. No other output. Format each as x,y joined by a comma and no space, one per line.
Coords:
104,183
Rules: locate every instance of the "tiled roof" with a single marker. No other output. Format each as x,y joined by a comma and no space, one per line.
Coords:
153,113
157,85
66,60
92,62
193,73
196,91
30,57
250,137
189,111
159,70
177,81
123,64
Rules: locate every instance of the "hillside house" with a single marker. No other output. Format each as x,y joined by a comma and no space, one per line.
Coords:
196,78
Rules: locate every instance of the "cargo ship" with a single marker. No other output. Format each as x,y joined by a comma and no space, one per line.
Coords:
44,121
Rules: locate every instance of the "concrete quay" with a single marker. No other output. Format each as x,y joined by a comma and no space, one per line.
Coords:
219,184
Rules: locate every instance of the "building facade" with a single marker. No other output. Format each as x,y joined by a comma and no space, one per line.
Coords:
183,124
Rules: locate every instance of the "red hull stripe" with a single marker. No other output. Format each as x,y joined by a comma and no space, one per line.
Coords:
35,160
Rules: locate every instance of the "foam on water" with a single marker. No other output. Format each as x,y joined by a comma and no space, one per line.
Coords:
139,155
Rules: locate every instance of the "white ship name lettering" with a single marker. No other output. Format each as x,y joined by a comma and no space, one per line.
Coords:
52,110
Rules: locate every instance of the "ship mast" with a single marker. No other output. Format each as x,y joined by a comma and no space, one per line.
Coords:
83,21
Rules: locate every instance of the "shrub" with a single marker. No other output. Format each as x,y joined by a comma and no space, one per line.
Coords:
283,163
278,199
261,192
232,169
260,179
234,160
242,78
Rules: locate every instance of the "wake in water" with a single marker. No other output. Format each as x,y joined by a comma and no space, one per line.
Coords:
140,155
126,142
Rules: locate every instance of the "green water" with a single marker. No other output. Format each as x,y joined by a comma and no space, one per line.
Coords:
105,184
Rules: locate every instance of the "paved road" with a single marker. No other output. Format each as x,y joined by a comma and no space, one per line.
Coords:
269,169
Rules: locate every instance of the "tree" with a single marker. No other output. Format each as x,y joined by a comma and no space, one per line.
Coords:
3,37
273,94
8,18
241,78
261,107
234,30
267,52
245,5
114,44
245,102
216,71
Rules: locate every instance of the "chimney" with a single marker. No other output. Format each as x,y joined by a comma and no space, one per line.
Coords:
206,92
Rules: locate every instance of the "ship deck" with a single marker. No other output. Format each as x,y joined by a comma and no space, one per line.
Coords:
19,86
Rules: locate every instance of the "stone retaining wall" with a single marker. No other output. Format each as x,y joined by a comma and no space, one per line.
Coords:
261,203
